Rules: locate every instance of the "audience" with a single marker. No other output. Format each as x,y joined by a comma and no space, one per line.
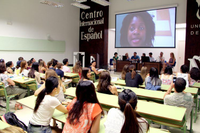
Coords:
9,84
153,82
33,73
195,74
32,60
179,97
133,79
124,71
125,119
167,77
86,75
84,111
45,106
143,73
65,67
77,68
29,65
59,71
54,64
93,69
184,70
60,95
9,66
104,84
49,64
42,66
23,68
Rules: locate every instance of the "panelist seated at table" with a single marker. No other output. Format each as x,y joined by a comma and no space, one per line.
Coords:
9,84
133,79
84,110
160,58
151,59
127,58
179,97
125,119
44,108
153,82
104,85
135,58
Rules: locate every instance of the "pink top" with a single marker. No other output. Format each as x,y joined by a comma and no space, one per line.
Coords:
66,69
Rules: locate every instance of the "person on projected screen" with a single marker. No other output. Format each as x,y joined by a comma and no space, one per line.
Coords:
138,30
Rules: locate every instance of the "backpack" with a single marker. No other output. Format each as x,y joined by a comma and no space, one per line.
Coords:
12,119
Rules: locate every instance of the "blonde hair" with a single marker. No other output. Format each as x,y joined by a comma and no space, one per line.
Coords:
22,65
143,72
173,55
77,67
52,73
12,129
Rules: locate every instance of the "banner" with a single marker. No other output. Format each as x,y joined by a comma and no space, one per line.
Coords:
93,37
193,30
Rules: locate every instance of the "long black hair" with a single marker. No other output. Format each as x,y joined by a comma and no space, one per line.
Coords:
127,101
84,73
85,92
150,28
50,84
34,68
154,74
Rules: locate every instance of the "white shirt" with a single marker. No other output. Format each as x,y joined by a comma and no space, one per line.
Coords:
45,111
184,76
151,59
115,121
66,69
24,72
160,58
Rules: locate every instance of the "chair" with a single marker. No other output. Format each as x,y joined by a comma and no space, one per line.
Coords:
3,93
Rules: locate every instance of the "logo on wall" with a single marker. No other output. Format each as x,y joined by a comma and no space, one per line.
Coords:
198,15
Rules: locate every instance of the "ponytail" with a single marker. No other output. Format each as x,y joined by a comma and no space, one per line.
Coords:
133,73
131,124
39,99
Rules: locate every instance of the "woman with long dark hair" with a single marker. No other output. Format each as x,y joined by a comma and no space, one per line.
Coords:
84,111
133,79
124,71
45,105
126,119
153,82
86,74
104,85
33,73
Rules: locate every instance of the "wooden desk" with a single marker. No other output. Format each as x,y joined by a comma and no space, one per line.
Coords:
71,75
26,82
3,125
120,64
149,110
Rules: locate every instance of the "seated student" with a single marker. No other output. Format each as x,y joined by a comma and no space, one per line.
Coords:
184,74
32,60
59,71
9,66
179,97
9,84
29,65
104,85
84,110
124,71
143,73
45,106
60,95
93,69
167,77
2,61
49,64
86,75
23,68
54,65
133,79
39,60
33,73
125,119
77,68
65,67
195,74
153,82
42,67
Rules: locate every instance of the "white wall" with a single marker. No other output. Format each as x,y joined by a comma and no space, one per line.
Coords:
179,51
30,19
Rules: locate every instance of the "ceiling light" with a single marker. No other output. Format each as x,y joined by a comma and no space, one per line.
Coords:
79,5
80,1
51,3
102,2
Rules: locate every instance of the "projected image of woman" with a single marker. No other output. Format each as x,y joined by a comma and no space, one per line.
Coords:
138,30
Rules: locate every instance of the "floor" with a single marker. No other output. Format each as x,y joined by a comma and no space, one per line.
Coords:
25,114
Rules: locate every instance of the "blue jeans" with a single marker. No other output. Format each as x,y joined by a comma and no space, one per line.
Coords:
42,129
